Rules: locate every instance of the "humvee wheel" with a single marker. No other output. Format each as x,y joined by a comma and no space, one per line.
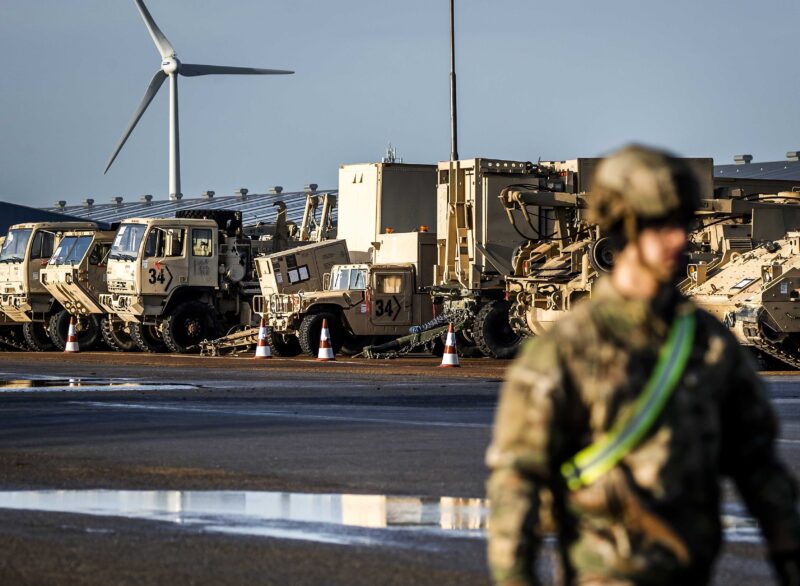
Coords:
115,336
283,345
189,324
147,338
310,328
87,330
36,336
492,332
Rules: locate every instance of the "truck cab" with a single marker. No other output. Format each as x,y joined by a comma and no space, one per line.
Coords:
23,298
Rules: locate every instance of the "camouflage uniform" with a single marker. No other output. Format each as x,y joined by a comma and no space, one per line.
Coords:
654,519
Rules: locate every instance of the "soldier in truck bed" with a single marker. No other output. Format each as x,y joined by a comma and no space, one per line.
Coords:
617,426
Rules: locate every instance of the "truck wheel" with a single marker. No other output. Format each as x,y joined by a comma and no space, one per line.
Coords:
115,336
87,330
147,338
189,324
285,345
36,336
493,334
310,328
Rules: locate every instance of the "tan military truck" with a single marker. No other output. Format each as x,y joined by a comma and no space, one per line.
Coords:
179,281
362,303
25,252
76,277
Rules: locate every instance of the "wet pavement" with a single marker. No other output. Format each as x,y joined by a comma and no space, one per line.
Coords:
162,471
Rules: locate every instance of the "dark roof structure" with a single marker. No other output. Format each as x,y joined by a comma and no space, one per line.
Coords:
772,170
255,208
12,213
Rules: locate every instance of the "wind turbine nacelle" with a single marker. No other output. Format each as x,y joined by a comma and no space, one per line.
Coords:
170,65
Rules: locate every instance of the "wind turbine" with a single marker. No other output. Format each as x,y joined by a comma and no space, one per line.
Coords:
171,67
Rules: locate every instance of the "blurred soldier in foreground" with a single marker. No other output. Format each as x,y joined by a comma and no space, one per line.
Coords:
617,426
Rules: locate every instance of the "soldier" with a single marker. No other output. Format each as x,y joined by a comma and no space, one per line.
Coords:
617,426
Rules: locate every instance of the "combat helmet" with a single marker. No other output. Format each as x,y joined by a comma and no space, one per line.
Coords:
638,186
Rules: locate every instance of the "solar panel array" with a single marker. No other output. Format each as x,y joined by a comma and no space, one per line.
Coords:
255,208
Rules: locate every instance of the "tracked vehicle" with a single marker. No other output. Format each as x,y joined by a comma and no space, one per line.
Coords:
25,252
76,277
753,286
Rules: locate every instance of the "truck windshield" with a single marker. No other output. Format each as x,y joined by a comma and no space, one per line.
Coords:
71,250
347,279
127,241
14,246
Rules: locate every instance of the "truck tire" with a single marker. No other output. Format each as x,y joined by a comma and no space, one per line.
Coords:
190,323
36,336
282,344
147,338
492,332
87,330
310,328
115,336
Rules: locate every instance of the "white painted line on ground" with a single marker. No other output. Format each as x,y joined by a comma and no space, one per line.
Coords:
288,415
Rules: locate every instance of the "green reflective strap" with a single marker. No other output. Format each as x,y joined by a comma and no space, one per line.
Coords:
595,460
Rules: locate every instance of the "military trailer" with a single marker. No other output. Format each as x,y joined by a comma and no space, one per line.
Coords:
76,277
362,303
179,281
23,298
295,272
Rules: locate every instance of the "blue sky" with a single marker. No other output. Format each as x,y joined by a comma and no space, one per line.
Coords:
552,80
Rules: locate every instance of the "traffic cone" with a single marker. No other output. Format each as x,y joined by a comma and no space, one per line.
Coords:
72,339
262,349
325,352
450,356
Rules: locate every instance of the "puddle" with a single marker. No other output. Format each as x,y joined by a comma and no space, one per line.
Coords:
325,518
84,384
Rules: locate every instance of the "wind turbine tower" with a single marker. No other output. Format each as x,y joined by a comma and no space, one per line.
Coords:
171,68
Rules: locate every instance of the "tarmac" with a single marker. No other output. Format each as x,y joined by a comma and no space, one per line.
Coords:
162,469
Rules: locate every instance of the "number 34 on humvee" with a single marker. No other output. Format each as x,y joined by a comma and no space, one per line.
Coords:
362,303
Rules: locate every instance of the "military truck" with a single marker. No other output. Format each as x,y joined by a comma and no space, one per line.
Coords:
76,277
25,252
362,303
490,263
178,281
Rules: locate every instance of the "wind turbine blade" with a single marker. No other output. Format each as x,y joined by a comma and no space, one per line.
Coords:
162,44
192,70
151,92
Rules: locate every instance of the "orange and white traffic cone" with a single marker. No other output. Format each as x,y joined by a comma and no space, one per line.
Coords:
450,356
262,349
325,352
72,339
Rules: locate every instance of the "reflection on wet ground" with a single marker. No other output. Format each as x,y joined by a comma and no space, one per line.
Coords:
326,518
83,384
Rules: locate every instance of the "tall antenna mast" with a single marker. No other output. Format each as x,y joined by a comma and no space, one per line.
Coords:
453,113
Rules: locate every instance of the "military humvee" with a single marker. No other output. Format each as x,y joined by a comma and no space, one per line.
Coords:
25,252
297,271
76,277
362,303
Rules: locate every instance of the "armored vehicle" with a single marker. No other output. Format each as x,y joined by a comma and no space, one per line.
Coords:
752,286
178,281
76,277
25,252
362,303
